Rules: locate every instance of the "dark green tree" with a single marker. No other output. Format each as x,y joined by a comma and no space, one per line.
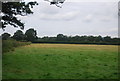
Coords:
5,36
98,38
107,39
11,9
61,37
31,35
19,35
76,38
90,38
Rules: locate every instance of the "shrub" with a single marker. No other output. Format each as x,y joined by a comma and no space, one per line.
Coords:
9,45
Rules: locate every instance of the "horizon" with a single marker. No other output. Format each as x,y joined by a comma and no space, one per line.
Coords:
66,35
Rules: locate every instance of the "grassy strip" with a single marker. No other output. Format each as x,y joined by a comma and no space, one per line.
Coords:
9,45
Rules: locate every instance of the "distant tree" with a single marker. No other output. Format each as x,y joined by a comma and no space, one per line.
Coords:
80,39
61,37
31,35
76,38
5,36
98,38
90,38
83,38
11,9
107,39
19,35
116,39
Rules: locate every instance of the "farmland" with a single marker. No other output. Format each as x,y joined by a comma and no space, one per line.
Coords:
61,61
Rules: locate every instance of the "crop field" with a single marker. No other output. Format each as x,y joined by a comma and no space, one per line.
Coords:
61,61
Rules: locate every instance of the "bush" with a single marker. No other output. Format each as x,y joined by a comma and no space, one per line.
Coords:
9,45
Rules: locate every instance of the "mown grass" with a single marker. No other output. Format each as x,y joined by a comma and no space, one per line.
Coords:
61,61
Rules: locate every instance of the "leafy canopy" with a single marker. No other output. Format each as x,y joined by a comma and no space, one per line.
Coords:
31,35
11,9
5,36
19,35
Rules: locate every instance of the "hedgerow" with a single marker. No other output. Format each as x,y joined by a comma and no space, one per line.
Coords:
9,45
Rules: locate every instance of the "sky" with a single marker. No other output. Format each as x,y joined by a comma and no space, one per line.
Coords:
91,17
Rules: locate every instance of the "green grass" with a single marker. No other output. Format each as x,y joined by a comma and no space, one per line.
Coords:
61,61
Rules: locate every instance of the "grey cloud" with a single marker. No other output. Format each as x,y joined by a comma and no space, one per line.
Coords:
59,16
105,18
51,12
88,18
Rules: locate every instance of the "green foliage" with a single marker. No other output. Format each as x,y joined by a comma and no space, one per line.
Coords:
19,35
11,9
9,45
31,35
61,37
79,40
5,36
61,61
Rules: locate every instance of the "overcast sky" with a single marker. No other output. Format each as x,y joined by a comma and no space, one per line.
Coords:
74,18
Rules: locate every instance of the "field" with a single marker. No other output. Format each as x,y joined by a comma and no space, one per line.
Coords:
61,61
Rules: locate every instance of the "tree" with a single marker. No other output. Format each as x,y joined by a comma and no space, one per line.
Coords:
61,37
76,38
5,36
31,35
98,38
19,35
90,38
107,39
11,9
56,2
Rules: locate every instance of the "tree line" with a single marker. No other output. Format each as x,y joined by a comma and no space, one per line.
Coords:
9,43
60,38
31,35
